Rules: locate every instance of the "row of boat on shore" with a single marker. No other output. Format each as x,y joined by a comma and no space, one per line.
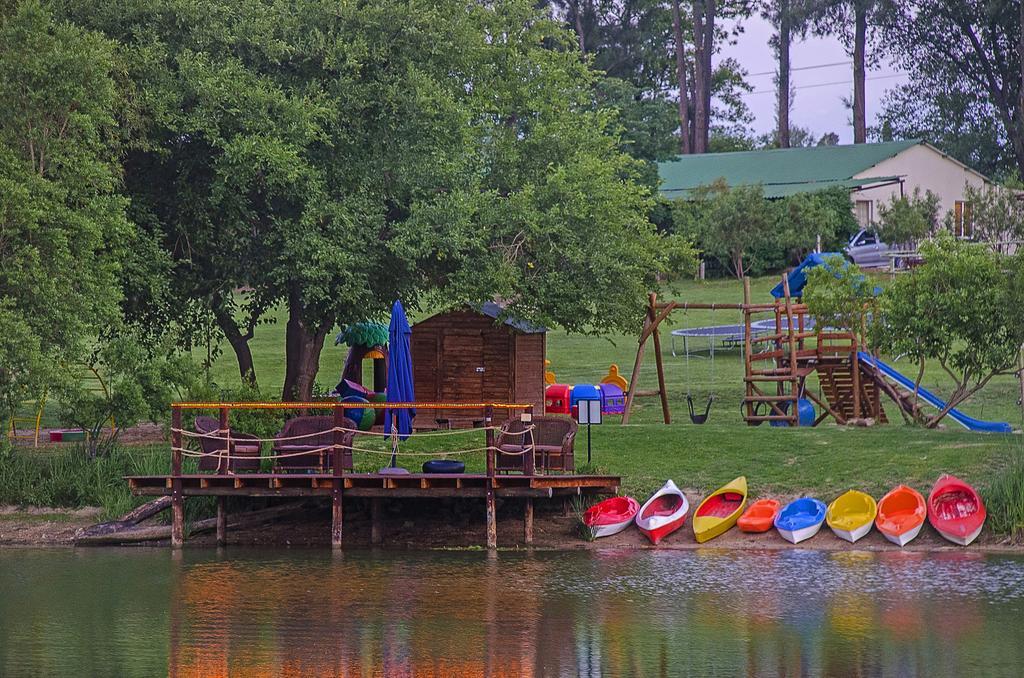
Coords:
953,508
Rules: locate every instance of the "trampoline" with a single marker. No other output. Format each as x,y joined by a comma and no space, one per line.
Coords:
730,336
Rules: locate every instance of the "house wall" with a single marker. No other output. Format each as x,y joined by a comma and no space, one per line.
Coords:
922,167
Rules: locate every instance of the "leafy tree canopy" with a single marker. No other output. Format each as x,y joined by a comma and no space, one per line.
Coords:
960,309
62,223
333,157
907,219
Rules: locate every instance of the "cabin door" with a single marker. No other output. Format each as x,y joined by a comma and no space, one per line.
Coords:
462,370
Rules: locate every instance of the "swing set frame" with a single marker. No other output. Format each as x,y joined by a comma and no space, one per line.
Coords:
793,362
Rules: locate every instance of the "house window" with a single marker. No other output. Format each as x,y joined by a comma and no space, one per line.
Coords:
963,222
862,211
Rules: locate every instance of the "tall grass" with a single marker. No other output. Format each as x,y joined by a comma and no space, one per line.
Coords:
1005,499
65,477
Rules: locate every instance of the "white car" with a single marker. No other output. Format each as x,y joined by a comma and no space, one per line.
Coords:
868,251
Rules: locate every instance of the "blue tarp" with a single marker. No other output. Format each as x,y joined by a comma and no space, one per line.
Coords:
798,276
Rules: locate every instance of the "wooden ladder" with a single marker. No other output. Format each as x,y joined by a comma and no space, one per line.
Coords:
836,379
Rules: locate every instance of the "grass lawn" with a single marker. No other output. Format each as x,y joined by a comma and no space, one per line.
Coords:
825,461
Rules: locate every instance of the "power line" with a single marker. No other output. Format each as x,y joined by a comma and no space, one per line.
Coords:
829,84
804,68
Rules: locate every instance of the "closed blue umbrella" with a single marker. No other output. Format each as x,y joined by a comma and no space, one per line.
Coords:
400,385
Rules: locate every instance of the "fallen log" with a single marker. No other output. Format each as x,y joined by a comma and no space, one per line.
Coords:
147,510
123,532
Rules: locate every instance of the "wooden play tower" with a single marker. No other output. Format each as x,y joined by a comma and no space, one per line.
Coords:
777,363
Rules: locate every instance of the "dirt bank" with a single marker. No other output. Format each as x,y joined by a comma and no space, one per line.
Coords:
431,525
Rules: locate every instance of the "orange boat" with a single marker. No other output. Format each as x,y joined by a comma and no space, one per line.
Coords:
760,516
901,514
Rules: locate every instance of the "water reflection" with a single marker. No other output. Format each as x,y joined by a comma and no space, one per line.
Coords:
606,613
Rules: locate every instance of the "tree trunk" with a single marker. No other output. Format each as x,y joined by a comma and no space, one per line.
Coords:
703,42
303,344
784,91
579,27
860,34
684,101
238,340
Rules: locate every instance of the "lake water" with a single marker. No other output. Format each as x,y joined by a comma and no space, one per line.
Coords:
147,612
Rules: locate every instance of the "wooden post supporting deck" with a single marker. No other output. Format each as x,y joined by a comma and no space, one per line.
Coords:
337,459
222,521
492,526
177,499
376,522
528,521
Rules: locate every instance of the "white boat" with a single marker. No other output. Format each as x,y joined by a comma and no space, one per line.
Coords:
664,513
800,519
851,515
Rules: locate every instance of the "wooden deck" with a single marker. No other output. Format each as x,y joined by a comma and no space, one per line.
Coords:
413,485
377,487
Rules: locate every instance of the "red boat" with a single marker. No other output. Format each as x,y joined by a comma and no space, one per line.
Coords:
955,510
611,516
663,513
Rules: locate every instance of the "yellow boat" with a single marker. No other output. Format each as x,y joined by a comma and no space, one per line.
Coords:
720,510
850,516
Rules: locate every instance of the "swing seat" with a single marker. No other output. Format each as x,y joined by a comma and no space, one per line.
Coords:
694,416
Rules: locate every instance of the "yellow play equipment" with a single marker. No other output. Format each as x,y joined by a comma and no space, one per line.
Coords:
549,375
26,434
613,377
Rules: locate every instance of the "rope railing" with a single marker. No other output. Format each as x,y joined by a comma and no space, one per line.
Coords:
334,444
224,435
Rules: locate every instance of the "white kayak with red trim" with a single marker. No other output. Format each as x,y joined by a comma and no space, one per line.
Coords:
664,513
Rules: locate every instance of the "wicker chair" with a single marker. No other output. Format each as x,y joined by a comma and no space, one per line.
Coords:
320,436
553,438
242,445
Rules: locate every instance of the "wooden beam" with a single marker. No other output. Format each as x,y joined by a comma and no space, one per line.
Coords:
528,521
634,378
336,517
492,526
376,521
660,364
222,521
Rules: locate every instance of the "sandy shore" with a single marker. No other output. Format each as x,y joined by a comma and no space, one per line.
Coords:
413,525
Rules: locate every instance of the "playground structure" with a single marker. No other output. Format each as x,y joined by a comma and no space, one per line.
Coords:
611,391
779,354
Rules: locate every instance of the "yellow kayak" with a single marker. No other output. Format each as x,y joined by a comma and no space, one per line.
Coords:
850,516
720,510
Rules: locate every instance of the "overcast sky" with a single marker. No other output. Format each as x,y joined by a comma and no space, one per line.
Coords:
819,109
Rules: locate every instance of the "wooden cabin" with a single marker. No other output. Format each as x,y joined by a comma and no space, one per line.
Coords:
468,355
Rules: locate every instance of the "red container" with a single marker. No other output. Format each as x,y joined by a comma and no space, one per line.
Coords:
556,399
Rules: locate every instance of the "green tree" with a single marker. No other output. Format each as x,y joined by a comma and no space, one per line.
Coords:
804,220
136,383
856,22
62,222
907,219
996,215
960,309
729,223
839,295
967,59
331,158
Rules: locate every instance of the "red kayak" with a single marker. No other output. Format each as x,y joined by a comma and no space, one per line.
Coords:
955,510
611,516
663,513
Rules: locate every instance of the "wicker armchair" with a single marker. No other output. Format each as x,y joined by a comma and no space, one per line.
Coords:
242,445
320,435
553,438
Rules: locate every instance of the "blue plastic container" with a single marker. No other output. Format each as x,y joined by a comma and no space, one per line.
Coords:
805,413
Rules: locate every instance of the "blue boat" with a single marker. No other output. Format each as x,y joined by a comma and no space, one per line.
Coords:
800,519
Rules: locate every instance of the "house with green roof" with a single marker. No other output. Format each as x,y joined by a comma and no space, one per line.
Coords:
873,173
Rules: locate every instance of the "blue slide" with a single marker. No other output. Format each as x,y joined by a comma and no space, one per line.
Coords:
969,423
